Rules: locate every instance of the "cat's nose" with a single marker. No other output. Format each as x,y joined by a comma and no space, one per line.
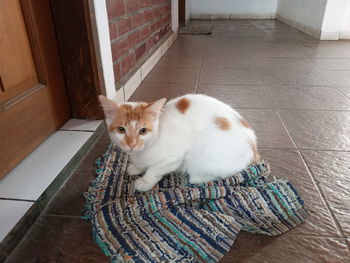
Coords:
132,144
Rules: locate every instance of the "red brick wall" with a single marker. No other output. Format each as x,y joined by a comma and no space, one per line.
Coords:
135,26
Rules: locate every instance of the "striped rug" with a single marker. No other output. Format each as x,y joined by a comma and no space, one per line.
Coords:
181,222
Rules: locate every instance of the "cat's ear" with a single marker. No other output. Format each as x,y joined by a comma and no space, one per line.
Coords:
110,107
154,108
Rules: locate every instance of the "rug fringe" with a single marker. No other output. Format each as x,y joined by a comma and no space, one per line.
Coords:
95,185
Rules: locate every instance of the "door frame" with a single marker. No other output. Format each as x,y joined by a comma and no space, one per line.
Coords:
92,20
182,13
79,50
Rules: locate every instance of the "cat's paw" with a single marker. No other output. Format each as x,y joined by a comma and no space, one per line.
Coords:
133,170
142,185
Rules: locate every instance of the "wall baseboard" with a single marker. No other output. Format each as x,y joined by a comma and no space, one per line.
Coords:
232,16
344,35
306,29
124,93
321,35
329,35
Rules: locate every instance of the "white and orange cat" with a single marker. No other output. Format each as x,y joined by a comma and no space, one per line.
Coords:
196,134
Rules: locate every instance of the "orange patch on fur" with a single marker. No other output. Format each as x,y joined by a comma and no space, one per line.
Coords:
182,105
256,155
245,124
134,114
126,114
222,123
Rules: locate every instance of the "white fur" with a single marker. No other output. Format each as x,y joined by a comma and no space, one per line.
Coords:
192,142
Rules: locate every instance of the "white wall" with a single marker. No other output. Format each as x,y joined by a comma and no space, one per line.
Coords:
345,31
305,15
323,19
226,9
174,15
188,10
104,42
333,19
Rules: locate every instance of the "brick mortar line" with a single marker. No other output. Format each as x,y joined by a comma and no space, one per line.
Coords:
140,27
127,34
120,83
133,49
116,19
121,58
152,34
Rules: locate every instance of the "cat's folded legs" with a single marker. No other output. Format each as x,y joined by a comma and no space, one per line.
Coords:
154,174
133,170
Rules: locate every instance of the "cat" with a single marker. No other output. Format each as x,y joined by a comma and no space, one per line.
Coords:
195,134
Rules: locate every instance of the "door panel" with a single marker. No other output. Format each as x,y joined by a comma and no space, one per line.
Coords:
33,99
17,68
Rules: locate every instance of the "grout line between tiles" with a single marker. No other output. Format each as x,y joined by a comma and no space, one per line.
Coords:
333,86
323,195
305,109
273,85
319,189
341,91
253,108
91,131
17,199
319,236
64,216
330,84
304,149
199,72
274,107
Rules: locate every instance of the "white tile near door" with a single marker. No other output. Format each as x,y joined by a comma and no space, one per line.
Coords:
81,125
10,213
35,173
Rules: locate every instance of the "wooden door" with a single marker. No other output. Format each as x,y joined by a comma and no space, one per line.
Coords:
33,99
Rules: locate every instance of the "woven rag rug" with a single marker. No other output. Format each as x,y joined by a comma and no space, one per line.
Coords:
181,222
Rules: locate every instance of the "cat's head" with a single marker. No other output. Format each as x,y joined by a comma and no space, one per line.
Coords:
132,125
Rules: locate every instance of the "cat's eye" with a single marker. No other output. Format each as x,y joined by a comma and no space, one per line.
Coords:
143,131
121,129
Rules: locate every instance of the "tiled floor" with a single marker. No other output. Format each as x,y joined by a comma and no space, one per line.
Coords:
293,89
